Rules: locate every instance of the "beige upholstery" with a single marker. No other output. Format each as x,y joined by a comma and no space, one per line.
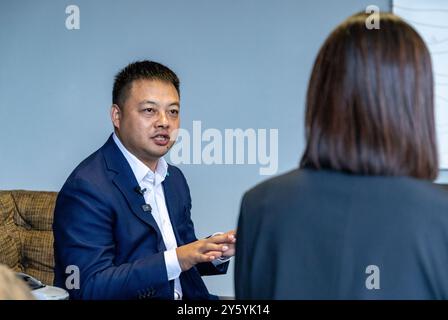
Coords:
26,237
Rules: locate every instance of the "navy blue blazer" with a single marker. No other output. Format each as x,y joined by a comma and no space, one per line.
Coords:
322,234
101,227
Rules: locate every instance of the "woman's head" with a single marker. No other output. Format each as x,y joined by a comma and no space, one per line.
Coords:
370,102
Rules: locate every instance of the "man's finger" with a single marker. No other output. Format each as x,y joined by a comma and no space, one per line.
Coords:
210,246
231,232
210,256
220,238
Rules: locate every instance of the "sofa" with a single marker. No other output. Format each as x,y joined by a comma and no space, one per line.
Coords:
26,237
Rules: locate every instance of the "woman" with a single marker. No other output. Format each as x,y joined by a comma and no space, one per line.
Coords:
360,218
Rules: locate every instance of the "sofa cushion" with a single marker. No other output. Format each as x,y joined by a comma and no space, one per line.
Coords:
9,234
26,237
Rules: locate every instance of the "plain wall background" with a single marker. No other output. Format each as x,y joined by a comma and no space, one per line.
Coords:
242,64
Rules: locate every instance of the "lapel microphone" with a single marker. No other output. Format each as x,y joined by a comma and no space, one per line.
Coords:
140,190
146,207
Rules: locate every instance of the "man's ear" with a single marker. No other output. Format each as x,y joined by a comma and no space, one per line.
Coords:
115,115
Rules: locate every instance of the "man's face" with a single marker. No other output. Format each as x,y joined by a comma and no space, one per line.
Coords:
147,120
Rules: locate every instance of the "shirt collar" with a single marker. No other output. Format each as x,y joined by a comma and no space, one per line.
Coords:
141,170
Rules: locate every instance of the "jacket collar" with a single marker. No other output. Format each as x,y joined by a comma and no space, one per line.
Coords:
126,182
124,179
140,170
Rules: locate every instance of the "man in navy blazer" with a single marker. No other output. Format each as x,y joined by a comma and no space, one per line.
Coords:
122,224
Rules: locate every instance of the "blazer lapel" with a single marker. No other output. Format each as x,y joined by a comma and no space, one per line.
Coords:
135,201
125,181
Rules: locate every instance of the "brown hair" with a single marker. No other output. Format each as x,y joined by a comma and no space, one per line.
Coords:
369,106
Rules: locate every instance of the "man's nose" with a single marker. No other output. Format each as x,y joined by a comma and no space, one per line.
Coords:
162,121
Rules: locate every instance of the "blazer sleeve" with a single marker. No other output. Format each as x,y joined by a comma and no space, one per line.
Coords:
83,231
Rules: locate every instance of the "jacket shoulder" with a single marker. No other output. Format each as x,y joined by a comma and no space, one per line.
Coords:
175,173
274,186
89,168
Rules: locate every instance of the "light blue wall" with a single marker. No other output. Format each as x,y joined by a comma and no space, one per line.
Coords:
242,64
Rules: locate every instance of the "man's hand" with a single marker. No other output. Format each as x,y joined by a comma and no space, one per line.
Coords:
229,240
204,250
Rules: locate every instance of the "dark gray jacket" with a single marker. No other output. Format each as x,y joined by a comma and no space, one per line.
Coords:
328,235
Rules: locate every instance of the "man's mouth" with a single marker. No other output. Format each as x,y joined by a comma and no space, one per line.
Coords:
161,139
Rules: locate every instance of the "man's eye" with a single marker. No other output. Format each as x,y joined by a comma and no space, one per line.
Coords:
149,110
174,112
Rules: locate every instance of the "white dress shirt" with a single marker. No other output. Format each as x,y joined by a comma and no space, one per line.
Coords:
155,197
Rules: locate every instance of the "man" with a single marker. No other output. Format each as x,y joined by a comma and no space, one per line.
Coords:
123,216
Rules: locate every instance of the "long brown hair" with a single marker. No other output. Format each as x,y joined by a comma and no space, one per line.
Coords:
370,107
